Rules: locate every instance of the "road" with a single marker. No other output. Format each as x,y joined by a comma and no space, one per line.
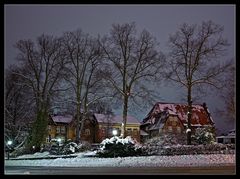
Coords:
216,170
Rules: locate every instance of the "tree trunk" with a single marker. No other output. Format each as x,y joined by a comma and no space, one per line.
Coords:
125,110
189,115
78,110
39,129
77,124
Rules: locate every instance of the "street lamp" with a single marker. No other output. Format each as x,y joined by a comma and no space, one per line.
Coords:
114,132
9,143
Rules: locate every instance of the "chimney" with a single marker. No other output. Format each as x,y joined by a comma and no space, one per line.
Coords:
206,109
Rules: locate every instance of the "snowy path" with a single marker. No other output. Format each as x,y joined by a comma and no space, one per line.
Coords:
150,161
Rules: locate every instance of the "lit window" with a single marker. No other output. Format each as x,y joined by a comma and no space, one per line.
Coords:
169,128
58,129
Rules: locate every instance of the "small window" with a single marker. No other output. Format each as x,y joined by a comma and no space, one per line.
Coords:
103,130
174,123
179,129
87,132
58,129
135,131
49,128
169,128
129,131
63,129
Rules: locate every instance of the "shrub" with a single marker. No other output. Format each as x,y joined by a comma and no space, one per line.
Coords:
116,147
203,136
83,146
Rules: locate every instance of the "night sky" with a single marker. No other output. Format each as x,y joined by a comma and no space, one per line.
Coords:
30,21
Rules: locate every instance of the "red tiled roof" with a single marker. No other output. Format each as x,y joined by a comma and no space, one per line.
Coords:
200,116
115,119
62,119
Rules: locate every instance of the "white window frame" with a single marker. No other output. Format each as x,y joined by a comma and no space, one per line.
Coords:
58,129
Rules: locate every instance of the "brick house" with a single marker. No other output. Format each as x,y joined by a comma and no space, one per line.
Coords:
106,124
96,128
60,127
64,127
172,118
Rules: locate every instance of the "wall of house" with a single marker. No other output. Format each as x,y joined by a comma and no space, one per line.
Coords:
172,125
92,133
88,132
59,130
105,131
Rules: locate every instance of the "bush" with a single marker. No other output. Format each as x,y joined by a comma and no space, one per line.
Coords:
20,151
116,147
83,146
203,136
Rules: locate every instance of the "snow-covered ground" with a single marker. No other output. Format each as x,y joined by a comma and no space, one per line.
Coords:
82,160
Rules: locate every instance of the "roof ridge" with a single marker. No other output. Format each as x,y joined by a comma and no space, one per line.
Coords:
177,103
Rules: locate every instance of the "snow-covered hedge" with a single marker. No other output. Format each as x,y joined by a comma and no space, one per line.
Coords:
166,140
117,147
68,147
190,149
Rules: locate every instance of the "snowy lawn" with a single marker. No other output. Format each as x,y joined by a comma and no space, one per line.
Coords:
145,161
43,155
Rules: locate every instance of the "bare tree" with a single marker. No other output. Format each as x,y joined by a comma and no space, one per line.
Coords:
228,95
195,59
42,65
130,60
83,54
18,108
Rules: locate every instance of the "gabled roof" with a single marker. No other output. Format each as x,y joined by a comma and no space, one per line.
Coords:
200,113
62,119
101,118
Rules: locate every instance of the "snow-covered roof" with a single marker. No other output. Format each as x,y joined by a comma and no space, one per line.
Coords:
62,119
101,118
200,114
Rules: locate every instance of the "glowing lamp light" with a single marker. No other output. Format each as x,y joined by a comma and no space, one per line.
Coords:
9,142
114,132
59,140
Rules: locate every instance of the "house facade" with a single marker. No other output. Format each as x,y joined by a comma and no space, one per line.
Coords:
60,127
107,123
64,127
97,127
165,118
